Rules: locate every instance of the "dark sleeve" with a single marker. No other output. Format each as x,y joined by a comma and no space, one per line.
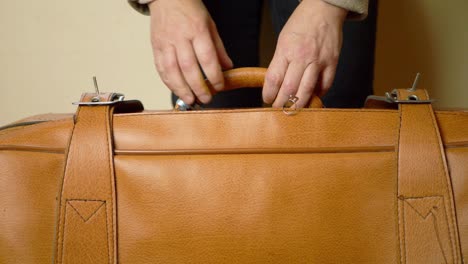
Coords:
140,5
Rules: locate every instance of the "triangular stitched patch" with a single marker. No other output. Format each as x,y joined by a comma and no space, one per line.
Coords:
86,208
424,205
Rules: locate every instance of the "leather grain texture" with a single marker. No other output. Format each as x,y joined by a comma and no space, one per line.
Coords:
428,227
260,208
236,186
86,228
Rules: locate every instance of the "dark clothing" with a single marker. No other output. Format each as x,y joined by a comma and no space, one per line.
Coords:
238,23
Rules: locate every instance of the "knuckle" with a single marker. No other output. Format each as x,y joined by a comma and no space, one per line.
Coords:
185,64
303,52
313,56
206,56
333,59
309,84
170,64
273,78
201,25
157,43
289,88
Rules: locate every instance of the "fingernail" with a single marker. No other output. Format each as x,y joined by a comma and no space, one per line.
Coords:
205,98
188,99
219,86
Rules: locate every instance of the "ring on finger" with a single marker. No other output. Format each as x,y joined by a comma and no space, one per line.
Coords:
290,107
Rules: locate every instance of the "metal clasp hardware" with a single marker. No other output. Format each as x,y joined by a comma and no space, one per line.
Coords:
180,105
392,97
117,97
411,99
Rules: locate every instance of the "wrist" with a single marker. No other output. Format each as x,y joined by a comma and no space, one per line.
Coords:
326,9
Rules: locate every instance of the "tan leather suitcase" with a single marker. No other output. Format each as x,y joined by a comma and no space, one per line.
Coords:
115,184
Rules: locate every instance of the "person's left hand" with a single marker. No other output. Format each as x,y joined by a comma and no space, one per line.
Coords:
306,55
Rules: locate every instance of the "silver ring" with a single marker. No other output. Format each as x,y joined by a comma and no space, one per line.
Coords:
290,107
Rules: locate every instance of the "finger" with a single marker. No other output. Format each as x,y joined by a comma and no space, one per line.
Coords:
224,60
308,85
274,78
328,75
290,84
206,54
157,58
171,75
191,72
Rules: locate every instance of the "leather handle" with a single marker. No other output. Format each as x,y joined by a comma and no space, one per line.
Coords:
252,77
244,77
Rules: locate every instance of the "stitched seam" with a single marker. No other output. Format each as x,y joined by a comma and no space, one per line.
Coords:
109,248
400,236
457,114
38,150
76,210
257,111
446,187
419,198
404,229
448,230
63,240
436,229
422,197
107,244
449,207
59,238
85,200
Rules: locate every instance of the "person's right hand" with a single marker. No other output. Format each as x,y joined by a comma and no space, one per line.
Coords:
184,38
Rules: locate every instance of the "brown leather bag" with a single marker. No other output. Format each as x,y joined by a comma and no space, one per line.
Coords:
114,184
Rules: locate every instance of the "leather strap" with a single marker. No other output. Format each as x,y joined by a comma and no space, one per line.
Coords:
87,230
427,222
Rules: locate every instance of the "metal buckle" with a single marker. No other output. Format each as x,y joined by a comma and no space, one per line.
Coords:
117,97
412,99
392,97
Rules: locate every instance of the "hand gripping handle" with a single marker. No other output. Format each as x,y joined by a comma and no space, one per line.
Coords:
252,77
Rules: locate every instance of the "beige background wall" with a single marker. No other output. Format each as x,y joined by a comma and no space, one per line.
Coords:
50,50
429,36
